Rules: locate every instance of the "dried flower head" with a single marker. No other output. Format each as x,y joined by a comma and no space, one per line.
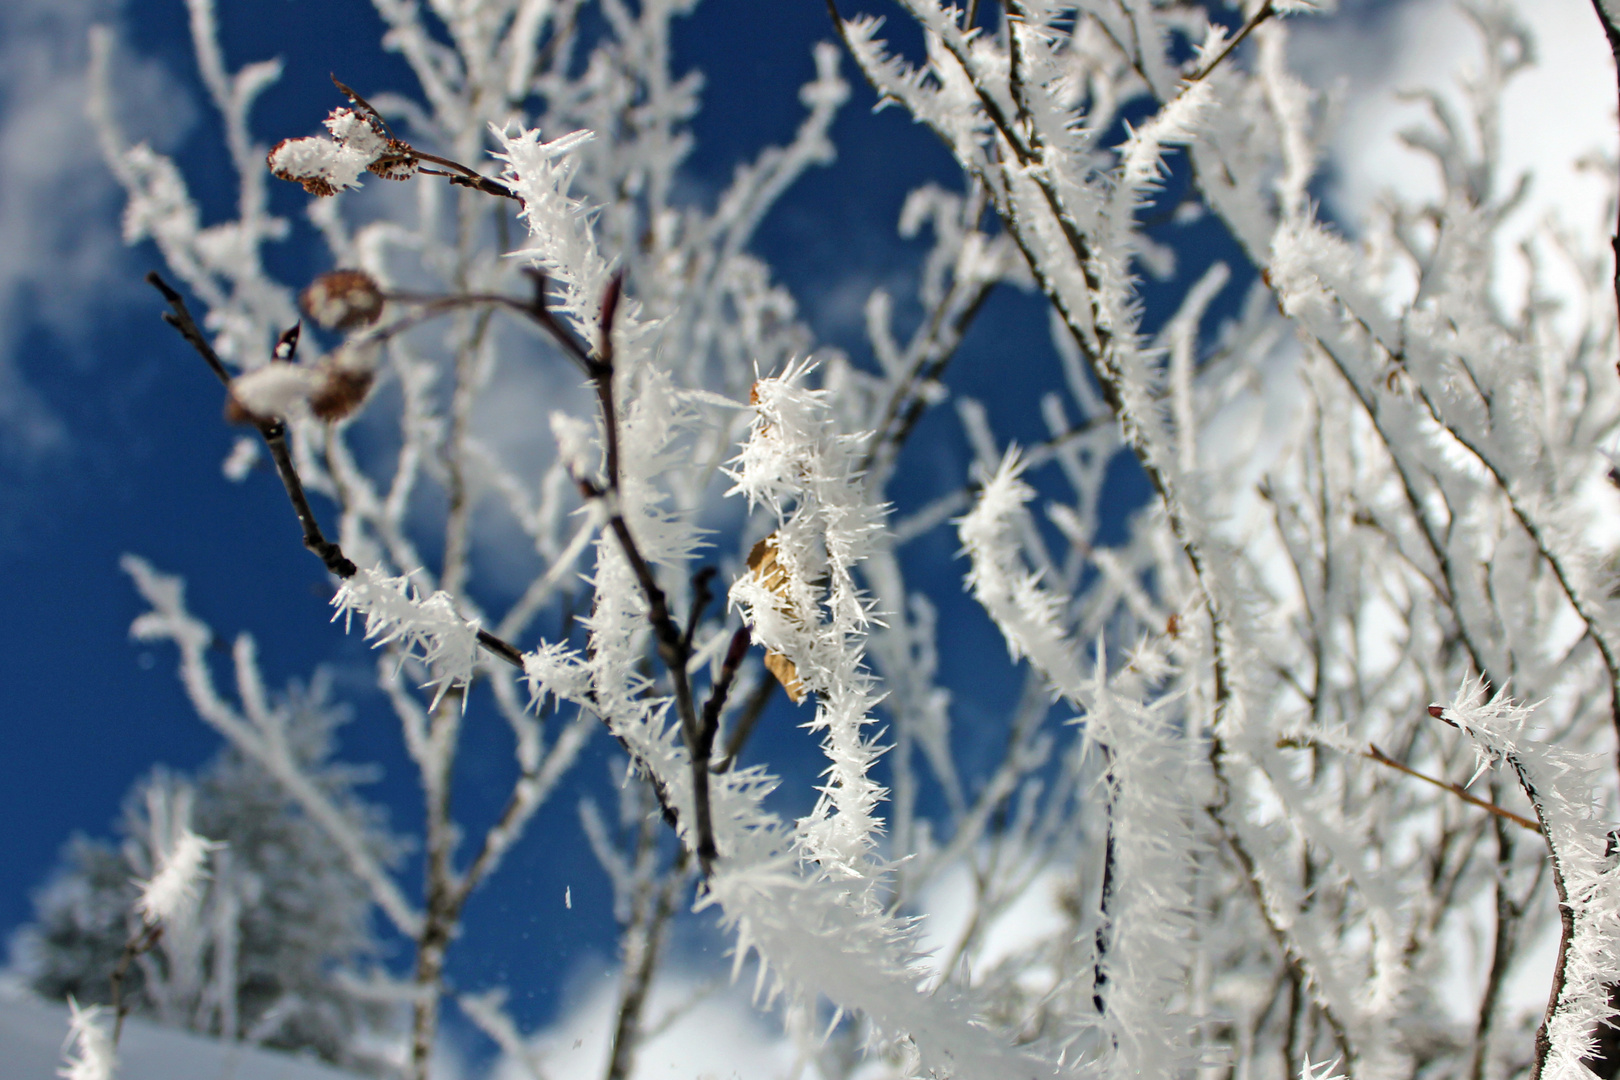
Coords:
343,300
360,142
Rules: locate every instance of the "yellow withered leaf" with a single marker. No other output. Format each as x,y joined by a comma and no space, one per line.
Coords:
762,561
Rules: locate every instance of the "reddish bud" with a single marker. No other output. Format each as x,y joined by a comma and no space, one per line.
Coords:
287,344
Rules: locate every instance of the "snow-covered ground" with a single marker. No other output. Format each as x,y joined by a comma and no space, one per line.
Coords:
32,1032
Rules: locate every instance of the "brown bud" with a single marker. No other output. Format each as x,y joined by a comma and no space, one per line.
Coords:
399,163
1436,711
340,394
236,412
343,300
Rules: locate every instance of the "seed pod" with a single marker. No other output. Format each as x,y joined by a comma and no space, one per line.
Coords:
343,300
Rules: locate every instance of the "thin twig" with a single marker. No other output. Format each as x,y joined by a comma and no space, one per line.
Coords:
643,941
1504,943
274,433
1266,11
1105,895
674,646
752,709
137,945
701,598
1566,922
1372,753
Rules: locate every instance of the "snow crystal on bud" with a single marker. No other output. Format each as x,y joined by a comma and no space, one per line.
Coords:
574,438
1495,725
274,390
1175,124
1304,7
93,1056
431,630
357,133
787,434
321,165
330,390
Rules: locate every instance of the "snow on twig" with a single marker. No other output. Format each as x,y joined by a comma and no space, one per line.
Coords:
1585,873
428,628
179,855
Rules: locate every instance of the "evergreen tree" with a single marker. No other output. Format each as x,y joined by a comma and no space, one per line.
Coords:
282,914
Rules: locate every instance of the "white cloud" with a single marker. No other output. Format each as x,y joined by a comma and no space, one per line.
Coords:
715,1035
1554,113
61,259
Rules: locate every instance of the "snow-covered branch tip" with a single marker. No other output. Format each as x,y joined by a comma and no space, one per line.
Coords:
1585,874
182,869
428,629
362,142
